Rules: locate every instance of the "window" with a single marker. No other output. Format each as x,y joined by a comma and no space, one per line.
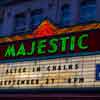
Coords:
1,26
65,16
20,22
36,17
88,11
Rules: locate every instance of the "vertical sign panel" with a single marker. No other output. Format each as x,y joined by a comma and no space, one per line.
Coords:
98,72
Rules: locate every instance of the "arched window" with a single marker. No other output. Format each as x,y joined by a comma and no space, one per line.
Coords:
1,26
20,22
88,11
36,17
65,16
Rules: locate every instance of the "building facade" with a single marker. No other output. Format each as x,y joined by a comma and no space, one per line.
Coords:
59,73
22,16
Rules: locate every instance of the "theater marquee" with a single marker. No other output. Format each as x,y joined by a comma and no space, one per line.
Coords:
73,44
50,42
52,58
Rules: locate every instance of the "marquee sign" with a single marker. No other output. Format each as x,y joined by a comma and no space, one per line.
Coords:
47,43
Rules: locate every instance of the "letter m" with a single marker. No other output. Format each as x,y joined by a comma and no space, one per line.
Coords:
10,51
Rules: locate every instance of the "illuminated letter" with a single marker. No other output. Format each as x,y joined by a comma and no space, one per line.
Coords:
41,46
64,43
72,43
10,51
80,41
32,49
53,44
21,50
